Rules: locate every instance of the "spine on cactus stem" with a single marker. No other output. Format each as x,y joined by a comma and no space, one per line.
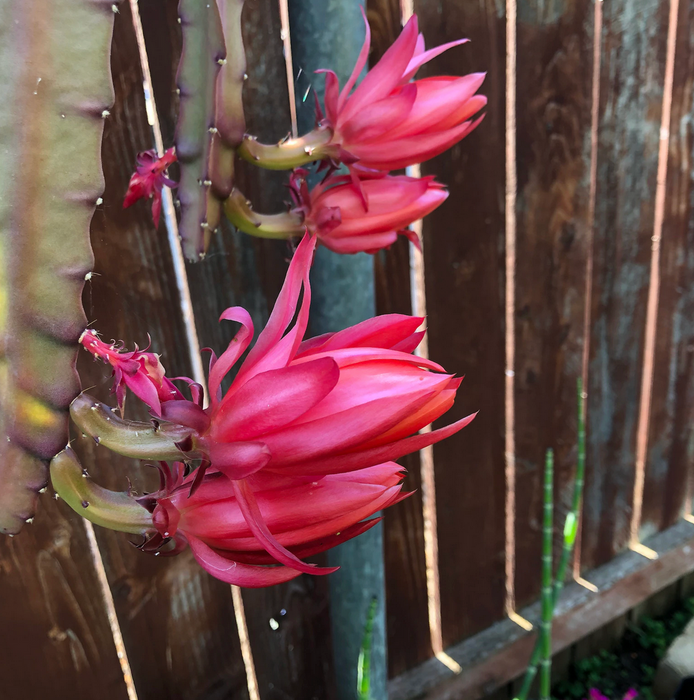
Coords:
239,211
289,153
115,510
54,98
230,122
129,438
202,57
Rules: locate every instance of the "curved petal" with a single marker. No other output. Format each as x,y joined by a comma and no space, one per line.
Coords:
236,573
185,413
384,76
251,512
236,348
364,243
270,400
421,58
238,459
332,93
358,66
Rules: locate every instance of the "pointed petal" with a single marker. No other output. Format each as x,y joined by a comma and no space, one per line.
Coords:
236,348
185,413
358,66
238,459
236,573
420,59
332,90
271,400
251,512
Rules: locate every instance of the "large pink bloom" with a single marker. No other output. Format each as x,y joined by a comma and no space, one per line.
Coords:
305,516
336,211
388,122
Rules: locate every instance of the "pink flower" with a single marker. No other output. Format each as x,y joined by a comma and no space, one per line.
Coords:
228,523
388,122
595,694
149,179
139,371
335,210
335,404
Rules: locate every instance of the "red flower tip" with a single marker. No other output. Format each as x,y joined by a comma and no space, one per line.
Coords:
139,371
149,179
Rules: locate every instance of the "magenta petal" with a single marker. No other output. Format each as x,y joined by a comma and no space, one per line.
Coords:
368,243
332,92
236,348
420,59
251,512
236,573
185,413
358,66
384,77
285,306
141,385
364,458
238,459
270,400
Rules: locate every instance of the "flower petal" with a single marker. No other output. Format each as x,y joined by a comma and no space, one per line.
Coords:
421,58
236,348
238,459
358,66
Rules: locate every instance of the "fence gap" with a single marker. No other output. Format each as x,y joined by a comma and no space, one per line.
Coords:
590,230
510,300
654,285
186,308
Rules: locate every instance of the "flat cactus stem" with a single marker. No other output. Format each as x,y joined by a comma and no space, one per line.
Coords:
116,510
230,121
55,92
126,437
202,57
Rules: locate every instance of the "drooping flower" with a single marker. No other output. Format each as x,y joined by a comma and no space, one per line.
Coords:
304,516
137,370
388,122
149,179
339,215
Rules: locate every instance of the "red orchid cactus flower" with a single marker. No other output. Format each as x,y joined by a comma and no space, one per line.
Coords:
595,694
149,179
388,122
336,213
332,405
305,515
138,370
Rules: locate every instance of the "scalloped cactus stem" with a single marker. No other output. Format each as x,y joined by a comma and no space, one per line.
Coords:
116,510
239,211
290,153
155,441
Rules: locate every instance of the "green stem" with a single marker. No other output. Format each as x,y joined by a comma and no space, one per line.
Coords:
290,153
547,588
239,211
570,532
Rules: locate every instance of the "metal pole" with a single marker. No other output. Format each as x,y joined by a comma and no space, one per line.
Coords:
329,34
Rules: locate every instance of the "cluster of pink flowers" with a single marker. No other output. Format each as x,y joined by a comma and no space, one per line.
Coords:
299,450
387,123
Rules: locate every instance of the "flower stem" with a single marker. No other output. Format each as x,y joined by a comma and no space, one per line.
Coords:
570,532
290,153
547,588
239,211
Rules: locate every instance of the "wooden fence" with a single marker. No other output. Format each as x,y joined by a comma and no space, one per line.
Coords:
566,248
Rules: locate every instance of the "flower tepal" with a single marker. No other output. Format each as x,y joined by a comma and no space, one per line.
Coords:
149,179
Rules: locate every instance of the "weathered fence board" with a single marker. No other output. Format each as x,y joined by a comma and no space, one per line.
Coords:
177,622
631,92
409,639
553,155
464,260
669,459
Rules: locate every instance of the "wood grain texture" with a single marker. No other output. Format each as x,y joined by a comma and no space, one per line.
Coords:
57,639
464,260
177,622
553,156
407,620
670,450
293,661
631,93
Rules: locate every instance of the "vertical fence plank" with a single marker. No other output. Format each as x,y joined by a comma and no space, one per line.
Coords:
632,75
57,640
288,625
407,621
672,414
553,147
177,621
464,256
